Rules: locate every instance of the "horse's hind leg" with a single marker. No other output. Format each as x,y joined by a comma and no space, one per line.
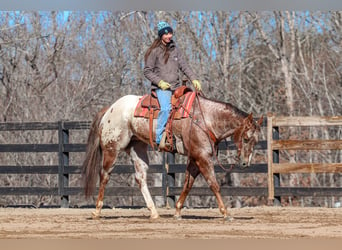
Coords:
191,173
109,158
138,152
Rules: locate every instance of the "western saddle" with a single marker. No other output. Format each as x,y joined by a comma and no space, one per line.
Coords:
181,102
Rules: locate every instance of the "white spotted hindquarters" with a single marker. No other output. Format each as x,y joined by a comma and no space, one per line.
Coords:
115,123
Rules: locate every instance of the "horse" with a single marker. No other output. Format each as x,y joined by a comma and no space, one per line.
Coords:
115,129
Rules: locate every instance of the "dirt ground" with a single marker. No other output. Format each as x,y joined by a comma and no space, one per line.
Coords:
249,223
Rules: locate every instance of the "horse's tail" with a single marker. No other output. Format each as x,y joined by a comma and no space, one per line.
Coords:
93,159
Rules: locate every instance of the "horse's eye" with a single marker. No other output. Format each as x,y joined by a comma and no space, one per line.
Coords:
245,140
246,137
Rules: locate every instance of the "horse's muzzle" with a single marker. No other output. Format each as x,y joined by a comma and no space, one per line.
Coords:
240,161
243,165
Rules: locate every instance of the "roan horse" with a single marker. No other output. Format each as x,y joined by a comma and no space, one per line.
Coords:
116,129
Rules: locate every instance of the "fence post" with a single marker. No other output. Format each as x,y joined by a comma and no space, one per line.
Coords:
63,179
273,157
270,176
276,177
170,180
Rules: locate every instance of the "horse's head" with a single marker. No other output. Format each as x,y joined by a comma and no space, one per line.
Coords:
245,138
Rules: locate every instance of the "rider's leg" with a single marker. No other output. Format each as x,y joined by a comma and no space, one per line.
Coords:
164,98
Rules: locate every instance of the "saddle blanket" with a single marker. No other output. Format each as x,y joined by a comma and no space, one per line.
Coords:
182,106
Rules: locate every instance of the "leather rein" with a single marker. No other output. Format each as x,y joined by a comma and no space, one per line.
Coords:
212,138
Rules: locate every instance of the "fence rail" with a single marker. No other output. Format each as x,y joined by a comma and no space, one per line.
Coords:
275,145
168,168
168,189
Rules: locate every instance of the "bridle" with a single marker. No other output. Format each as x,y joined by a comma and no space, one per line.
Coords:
238,138
212,138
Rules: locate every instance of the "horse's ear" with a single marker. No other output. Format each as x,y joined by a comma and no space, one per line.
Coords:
261,119
250,117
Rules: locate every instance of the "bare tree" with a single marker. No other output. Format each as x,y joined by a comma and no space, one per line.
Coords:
67,65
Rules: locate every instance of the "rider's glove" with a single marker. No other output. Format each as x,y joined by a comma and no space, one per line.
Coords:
163,85
197,85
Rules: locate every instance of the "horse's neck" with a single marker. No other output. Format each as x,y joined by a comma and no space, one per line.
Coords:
222,118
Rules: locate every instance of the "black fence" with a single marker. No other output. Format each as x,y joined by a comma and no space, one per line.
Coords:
168,169
63,148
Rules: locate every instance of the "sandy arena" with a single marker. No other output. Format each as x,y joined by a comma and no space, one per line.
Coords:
251,223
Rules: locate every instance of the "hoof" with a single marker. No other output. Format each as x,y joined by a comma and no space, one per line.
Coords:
95,215
154,217
228,219
177,217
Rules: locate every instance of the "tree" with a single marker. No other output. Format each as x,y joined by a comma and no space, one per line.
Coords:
67,65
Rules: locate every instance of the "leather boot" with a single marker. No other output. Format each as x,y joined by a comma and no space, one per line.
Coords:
162,141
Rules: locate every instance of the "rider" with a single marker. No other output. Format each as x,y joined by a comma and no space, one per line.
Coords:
163,60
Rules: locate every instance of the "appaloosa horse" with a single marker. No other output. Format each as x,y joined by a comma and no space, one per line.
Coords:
115,128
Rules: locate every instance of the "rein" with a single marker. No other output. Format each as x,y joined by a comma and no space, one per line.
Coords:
210,134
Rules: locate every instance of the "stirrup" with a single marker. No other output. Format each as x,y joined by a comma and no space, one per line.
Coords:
162,143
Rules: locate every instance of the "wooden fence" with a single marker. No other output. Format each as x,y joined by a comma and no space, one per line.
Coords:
168,168
275,145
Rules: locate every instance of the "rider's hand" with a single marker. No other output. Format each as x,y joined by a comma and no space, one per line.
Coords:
164,85
197,85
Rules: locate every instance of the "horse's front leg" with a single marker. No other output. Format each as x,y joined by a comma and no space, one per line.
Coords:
206,168
191,173
138,153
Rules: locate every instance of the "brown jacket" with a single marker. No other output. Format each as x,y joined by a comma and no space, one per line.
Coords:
156,70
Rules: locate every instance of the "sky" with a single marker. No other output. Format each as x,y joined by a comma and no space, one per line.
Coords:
170,5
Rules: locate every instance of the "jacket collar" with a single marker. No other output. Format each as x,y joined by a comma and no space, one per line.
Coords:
170,45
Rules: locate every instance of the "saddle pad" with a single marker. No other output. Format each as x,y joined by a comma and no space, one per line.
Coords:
184,107
139,110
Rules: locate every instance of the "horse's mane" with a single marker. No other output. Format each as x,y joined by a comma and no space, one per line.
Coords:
228,106
237,110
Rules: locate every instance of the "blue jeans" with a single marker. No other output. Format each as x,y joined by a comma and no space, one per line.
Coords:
164,98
